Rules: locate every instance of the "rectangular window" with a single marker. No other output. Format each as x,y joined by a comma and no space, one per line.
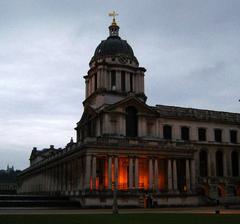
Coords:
167,132
95,82
218,135
202,134
233,136
131,82
123,84
185,133
113,80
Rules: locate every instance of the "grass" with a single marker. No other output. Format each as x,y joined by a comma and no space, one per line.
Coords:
121,218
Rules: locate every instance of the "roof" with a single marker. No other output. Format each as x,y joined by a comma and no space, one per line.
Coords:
198,114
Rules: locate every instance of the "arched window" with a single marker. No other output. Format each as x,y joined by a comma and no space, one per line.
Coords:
219,163
235,164
203,165
131,122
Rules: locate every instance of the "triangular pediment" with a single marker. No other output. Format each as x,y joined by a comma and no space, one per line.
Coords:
132,101
88,114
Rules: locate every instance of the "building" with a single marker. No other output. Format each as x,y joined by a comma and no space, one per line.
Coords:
162,154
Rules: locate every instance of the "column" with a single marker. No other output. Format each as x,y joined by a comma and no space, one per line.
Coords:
116,172
188,176
94,172
225,164
87,172
136,173
150,173
109,173
238,161
156,175
193,174
175,187
170,184
64,178
213,162
130,173
209,170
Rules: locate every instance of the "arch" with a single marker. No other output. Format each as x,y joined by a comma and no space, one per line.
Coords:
203,163
204,190
235,163
221,190
219,163
131,122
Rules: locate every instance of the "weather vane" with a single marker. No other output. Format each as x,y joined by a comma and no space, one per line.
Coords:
113,14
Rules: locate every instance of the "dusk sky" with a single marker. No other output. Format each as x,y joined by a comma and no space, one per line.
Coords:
191,50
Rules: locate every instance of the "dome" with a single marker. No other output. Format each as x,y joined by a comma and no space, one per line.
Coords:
114,46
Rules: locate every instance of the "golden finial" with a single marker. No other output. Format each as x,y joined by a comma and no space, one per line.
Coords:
113,14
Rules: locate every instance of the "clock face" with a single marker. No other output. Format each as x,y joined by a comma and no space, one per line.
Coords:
122,59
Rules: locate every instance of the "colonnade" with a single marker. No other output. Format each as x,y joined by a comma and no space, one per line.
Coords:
81,175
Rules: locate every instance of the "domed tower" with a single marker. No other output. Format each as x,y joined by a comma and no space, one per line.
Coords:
114,72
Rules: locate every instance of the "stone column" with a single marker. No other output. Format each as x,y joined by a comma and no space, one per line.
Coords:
193,174
116,171
94,172
130,173
87,172
64,178
109,173
175,187
136,173
188,184
156,175
213,162
209,170
225,164
170,184
150,173
238,162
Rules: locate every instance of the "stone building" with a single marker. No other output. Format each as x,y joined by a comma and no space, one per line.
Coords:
171,155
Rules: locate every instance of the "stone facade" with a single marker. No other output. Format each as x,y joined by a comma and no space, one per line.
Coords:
161,155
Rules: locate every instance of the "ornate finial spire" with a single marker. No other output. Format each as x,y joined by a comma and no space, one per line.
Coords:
113,28
113,14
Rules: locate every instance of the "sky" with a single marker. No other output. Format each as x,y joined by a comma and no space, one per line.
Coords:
191,50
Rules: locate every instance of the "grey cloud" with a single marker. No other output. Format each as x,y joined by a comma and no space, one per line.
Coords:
191,51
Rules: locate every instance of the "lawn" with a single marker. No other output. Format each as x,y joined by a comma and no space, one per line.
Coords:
122,218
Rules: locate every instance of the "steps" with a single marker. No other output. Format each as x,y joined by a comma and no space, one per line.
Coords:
36,201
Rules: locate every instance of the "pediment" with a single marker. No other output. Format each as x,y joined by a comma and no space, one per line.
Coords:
132,101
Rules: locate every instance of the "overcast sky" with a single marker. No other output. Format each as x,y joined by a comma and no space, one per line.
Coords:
191,50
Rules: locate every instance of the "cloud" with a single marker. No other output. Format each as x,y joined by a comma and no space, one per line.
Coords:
189,48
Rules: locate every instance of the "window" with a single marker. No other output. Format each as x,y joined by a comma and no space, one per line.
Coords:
131,122
131,82
113,80
123,84
167,132
218,135
95,82
202,134
203,163
219,163
185,133
233,136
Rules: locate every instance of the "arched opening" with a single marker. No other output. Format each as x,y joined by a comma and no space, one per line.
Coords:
131,122
235,164
204,190
219,163
221,190
203,166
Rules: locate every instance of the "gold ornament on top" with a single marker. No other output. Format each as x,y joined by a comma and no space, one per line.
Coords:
113,14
